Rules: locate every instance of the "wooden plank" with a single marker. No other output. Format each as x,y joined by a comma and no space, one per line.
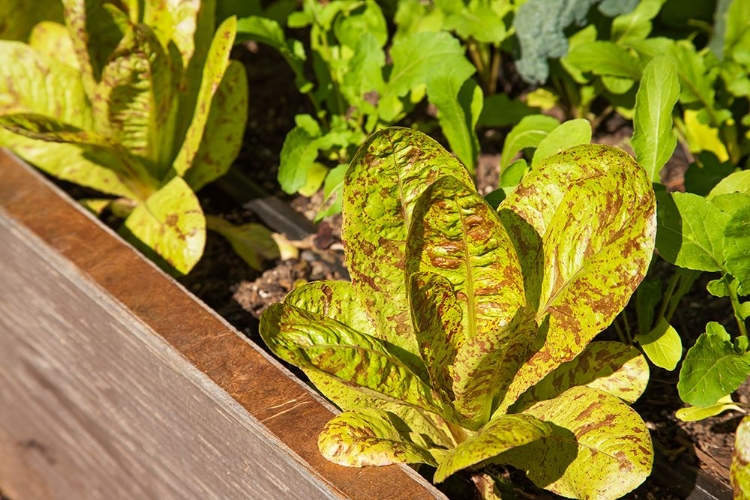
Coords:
94,405
288,411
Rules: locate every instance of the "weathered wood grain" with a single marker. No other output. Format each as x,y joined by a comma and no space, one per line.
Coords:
116,383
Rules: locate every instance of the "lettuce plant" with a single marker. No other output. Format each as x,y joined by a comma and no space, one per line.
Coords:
465,335
134,100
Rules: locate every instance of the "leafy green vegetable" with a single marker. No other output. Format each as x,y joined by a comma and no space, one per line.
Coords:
116,109
529,133
713,368
653,141
694,413
662,345
464,336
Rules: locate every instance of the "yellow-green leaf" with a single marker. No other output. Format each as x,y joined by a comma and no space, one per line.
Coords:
662,345
740,471
600,448
53,41
213,73
224,132
171,224
382,184
568,134
500,435
252,242
370,436
695,413
595,212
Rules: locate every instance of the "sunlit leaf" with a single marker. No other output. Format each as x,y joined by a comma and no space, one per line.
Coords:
662,345
695,413
529,132
568,134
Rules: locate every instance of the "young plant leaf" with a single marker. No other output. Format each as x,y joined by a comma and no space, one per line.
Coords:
612,367
501,434
171,224
297,157
222,138
333,192
653,140
600,448
604,58
213,73
635,25
584,269
695,413
252,242
691,231
385,178
529,132
738,182
737,247
568,134
369,436
662,345
713,368
458,100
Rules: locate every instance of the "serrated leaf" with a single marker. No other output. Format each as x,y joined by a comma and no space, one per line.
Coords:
171,224
600,448
385,178
317,343
736,246
712,369
224,132
691,231
370,436
604,58
740,469
364,73
529,132
568,134
217,62
612,367
653,140
590,270
252,242
458,100
417,59
662,345
499,435
695,413
136,97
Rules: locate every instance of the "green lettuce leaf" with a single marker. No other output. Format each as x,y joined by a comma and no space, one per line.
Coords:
568,134
529,133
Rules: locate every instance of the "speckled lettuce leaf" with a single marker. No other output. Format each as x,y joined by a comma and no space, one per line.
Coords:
137,97
457,235
600,447
35,83
96,34
585,272
224,132
369,436
740,470
171,224
500,435
613,367
217,61
52,40
313,341
382,184
76,155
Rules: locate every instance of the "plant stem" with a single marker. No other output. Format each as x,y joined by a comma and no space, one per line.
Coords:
735,300
620,333
668,295
626,323
494,71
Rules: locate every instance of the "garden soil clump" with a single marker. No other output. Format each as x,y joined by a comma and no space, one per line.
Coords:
240,294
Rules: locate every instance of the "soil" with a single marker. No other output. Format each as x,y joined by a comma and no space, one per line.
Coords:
240,294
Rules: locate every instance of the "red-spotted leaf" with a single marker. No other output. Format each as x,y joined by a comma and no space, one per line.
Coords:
613,367
499,435
171,224
382,184
369,436
593,208
600,447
